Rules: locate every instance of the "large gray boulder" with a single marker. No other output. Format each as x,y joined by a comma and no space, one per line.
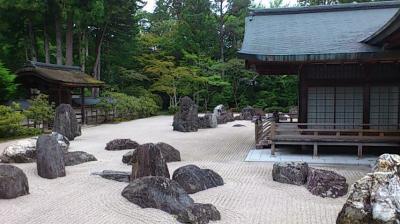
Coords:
23,151
168,196
77,157
219,109
186,118
290,172
62,141
13,182
127,157
121,144
224,117
193,179
209,120
247,113
65,122
326,183
119,176
149,161
387,163
170,154
50,158
375,198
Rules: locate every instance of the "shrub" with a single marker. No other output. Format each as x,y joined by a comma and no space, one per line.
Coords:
127,107
40,110
173,109
11,123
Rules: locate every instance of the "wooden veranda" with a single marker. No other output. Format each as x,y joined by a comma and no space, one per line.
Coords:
269,133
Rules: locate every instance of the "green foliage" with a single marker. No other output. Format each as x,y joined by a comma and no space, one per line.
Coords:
128,107
7,85
11,123
182,48
40,109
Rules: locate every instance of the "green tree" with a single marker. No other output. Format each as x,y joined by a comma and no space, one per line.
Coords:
7,84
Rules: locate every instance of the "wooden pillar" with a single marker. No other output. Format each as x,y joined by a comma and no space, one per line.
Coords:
302,116
83,105
366,94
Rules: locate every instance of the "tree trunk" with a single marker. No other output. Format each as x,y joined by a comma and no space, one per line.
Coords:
46,43
32,41
97,67
69,39
58,38
82,50
221,35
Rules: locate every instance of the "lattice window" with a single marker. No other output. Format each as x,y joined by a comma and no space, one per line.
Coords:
342,105
384,108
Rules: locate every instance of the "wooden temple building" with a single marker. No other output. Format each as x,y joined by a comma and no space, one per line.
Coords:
63,84
347,59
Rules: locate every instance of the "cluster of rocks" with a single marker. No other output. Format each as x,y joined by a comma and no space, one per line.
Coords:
24,151
324,183
186,119
150,185
50,152
167,195
375,198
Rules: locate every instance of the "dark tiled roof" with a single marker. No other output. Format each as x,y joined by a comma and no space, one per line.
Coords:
315,33
63,75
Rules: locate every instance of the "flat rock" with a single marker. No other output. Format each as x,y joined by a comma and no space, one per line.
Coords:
50,158
326,183
119,176
13,182
65,122
121,144
149,161
193,179
186,118
77,157
168,196
238,125
290,172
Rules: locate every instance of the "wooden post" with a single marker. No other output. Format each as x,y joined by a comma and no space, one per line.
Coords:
257,130
359,151
315,150
83,105
273,130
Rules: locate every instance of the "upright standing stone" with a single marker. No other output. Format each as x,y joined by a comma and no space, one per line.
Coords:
65,122
248,113
13,182
186,119
149,161
50,158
